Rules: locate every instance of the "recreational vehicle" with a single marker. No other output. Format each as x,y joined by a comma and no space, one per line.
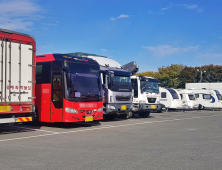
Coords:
171,99
208,99
188,99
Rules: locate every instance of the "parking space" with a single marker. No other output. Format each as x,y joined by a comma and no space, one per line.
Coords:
24,131
168,140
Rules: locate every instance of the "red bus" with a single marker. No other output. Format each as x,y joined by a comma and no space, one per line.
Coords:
68,89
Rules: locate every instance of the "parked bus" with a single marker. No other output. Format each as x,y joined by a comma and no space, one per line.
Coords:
17,76
68,89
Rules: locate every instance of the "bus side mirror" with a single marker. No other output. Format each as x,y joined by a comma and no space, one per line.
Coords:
69,80
68,76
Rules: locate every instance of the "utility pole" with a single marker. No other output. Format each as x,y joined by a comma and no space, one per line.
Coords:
201,72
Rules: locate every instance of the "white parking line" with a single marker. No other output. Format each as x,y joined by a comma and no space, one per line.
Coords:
106,127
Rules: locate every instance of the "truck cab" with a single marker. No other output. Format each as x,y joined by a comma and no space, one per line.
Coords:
146,95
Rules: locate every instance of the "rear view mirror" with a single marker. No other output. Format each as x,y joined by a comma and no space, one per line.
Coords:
69,80
68,76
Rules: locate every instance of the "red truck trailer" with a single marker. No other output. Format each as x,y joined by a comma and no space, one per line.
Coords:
17,76
68,89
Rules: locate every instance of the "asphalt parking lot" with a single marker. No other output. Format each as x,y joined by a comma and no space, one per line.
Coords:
168,140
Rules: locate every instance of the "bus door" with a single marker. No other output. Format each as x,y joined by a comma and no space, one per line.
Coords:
57,97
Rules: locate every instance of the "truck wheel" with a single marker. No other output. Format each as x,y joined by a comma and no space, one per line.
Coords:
35,118
144,114
110,116
127,115
200,107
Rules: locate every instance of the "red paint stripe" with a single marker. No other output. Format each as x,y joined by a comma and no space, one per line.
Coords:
21,119
27,119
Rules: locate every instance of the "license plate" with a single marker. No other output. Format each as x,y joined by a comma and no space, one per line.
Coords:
89,119
153,106
5,108
123,107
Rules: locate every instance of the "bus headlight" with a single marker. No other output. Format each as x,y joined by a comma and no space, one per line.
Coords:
70,110
100,109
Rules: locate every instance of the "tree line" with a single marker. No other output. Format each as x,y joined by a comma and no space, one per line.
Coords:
177,75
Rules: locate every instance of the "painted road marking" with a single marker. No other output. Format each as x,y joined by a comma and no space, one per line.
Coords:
107,127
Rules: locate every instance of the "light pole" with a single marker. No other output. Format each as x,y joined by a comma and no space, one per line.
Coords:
201,72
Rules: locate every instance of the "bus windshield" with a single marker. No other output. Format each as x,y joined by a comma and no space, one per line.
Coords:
84,82
149,86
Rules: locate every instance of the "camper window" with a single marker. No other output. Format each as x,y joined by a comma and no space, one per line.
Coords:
207,96
197,95
163,95
173,93
191,97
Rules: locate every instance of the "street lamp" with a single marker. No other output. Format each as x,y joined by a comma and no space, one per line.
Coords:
201,72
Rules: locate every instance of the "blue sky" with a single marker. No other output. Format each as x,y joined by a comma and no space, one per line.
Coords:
152,33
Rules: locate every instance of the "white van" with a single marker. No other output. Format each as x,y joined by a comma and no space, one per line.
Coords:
171,99
208,99
188,98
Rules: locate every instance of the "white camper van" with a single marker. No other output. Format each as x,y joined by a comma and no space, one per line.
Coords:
208,99
188,98
171,99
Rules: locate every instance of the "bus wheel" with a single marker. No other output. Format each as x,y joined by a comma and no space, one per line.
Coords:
144,114
110,116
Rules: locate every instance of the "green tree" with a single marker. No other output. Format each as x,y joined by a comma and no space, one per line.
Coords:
168,76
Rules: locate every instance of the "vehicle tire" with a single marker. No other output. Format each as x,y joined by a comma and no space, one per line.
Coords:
110,116
200,107
144,114
35,118
127,115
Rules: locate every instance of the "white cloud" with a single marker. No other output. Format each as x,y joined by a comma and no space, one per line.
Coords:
17,14
103,50
192,7
210,55
121,16
164,50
